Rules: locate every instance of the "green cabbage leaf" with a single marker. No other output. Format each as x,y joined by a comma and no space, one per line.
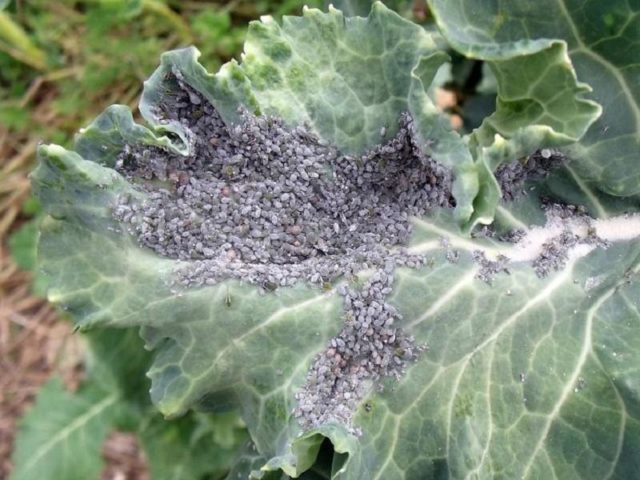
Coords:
602,41
526,378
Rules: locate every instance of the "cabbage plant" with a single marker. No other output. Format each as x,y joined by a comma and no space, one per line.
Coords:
302,237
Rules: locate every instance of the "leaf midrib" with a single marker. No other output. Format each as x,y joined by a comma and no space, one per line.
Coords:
75,425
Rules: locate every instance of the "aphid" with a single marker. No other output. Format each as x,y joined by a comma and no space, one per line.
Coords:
269,286
229,171
197,113
452,256
227,298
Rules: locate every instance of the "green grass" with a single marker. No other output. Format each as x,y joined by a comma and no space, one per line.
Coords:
84,55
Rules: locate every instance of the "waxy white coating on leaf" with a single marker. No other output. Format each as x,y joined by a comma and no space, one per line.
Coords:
615,229
618,229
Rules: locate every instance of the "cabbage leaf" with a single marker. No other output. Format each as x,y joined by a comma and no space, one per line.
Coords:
526,378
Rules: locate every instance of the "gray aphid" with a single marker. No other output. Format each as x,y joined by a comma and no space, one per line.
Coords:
489,269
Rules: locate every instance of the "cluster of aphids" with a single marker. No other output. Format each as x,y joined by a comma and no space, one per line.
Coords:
554,254
274,205
512,176
369,347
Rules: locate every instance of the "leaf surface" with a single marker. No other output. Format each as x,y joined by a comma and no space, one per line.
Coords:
514,374
191,447
226,345
60,426
234,345
602,40
347,78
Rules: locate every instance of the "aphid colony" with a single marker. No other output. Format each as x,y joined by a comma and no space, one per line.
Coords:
554,253
368,348
273,205
513,175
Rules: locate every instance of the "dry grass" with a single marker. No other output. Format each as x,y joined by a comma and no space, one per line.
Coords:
125,460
